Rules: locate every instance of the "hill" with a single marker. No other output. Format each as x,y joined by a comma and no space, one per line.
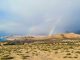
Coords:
65,36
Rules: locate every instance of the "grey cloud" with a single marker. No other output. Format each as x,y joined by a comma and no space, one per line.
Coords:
39,16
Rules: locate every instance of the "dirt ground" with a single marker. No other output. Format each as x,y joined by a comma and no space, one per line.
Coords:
40,52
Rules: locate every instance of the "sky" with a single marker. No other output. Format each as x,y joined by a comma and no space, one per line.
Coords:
39,17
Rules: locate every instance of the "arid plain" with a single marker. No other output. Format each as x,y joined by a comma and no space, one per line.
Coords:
45,49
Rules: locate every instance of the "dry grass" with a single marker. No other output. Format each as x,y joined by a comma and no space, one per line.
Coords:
40,52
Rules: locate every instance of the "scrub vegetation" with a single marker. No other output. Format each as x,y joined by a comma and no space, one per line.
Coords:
42,51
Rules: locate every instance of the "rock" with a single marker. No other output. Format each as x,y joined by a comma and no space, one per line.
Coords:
66,35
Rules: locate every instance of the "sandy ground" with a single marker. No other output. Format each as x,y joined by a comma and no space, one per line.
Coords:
40,52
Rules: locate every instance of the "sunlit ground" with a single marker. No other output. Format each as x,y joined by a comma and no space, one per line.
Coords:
40,52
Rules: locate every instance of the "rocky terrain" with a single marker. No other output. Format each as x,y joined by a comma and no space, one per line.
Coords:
66,36
40,52
57,38
54,47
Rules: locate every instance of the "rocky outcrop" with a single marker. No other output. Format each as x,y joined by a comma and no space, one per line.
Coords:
71,35
56,36
66,36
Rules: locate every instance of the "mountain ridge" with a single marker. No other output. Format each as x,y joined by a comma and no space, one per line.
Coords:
55,36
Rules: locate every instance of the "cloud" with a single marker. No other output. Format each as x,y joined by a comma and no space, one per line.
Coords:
38,16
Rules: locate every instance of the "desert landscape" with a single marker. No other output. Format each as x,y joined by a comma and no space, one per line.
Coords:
56,47
39,30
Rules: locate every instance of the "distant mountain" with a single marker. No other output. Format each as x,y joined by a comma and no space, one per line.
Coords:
2,39
42,39
66,36
2,33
